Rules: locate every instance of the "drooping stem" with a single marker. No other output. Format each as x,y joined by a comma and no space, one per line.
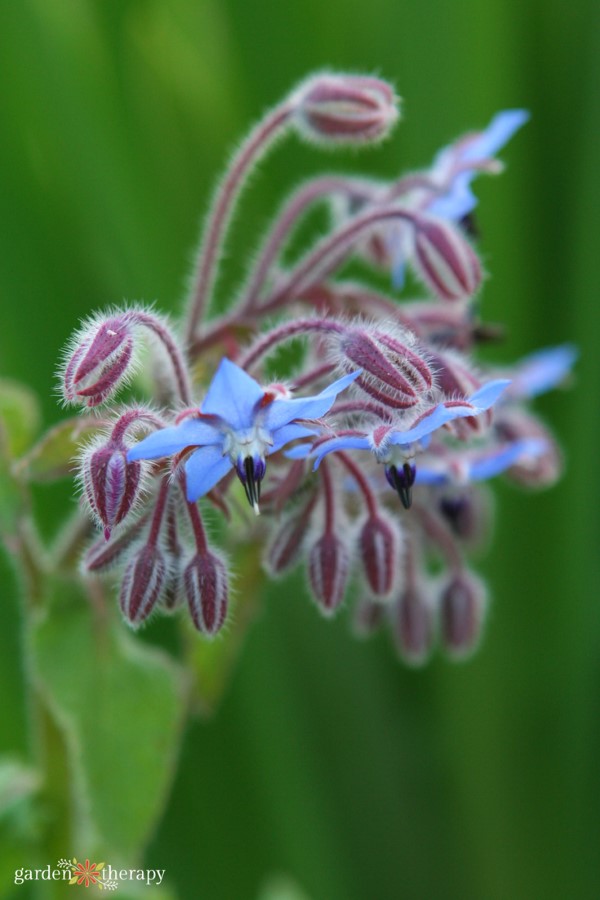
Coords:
330,253
176,358
198,528
215,227
159,511
328,497
286,332
361,481
440,536
308,194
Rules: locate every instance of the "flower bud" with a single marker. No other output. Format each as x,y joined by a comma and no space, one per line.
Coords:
286,545
112,484
142,583
461,614
379,548
205,582
413,626
445,260
541,470
368,616
328,572
99,362
467,512
393,372
345,109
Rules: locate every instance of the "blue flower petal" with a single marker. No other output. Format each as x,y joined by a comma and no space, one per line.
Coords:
204,469
504,457
345,442
480,401
430,476
232,395
288,433
282,412
542,371
301,451
459,200
496,135
191,432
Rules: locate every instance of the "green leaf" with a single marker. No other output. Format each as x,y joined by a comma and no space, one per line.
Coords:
53,456
119,704
19,416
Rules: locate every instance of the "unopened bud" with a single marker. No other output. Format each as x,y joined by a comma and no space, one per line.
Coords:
112,484
379,548
286,544
392,371
368,617
467,513
445,259
345,109
455,378
413,626
328,572
142,584
205,582
100,361
541,470
461,614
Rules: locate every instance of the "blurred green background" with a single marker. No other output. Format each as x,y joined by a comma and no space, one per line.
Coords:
328,760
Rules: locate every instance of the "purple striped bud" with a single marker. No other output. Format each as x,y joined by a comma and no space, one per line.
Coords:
142,583
379,549
345,109
394,371
461,614
286,544
413,626
445,259
205,583
328,565
111,483
102,556
100,361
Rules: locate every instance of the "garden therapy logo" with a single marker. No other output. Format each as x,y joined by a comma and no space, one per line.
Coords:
87,873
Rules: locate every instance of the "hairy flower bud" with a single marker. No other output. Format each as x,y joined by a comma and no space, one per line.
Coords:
286,544
413,626
467,512
368,615
111,483
345,109
541,470
394,372
445,259
142,583
379,548
99,362
461,614
328,565
205,583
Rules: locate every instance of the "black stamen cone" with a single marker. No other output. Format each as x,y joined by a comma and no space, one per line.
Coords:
251,483
402,482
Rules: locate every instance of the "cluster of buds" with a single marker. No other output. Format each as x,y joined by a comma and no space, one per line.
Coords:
368,464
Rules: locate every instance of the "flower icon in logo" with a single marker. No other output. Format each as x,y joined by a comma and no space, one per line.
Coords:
86,873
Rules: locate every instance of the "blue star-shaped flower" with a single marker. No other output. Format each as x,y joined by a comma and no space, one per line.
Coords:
396,448
239,425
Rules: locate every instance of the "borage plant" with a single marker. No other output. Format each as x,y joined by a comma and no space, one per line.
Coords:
368,462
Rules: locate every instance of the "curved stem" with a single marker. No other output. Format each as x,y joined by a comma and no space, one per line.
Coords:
361,482
286,332
330,253
314,190
215,227
159,511
329,499
139,317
